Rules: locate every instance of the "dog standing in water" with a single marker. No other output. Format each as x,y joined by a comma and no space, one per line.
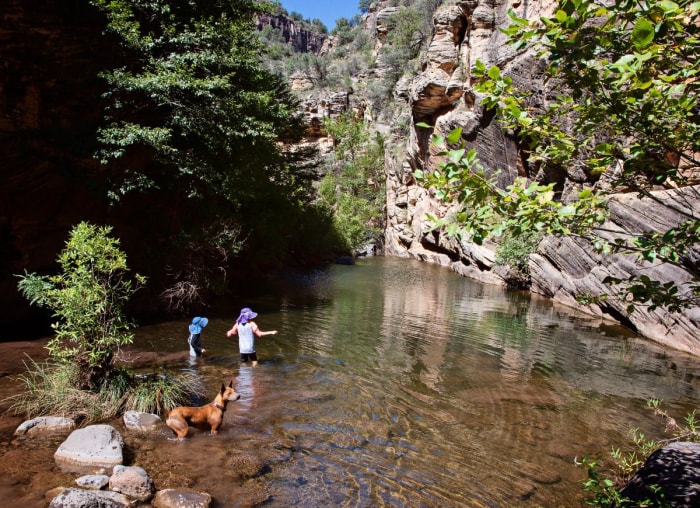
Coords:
203,417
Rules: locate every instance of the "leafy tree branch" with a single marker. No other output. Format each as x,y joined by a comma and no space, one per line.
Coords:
623,104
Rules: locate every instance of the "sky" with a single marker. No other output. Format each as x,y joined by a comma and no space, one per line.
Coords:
325,10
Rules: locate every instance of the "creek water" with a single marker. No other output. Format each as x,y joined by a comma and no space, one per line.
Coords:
398,383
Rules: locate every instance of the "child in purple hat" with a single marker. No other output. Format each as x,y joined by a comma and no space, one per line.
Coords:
247,330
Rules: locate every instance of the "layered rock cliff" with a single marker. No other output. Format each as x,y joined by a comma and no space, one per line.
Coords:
562,269
301,39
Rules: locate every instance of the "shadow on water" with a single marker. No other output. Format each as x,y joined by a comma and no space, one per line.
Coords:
396,383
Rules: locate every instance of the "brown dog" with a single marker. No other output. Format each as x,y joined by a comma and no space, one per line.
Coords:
203,417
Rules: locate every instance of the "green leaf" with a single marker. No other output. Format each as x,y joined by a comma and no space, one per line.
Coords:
566,211
456,155
454,136
561,16
669,6
494,73
642,33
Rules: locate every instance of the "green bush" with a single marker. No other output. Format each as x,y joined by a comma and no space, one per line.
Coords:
514,251
88,299
354,188
80,380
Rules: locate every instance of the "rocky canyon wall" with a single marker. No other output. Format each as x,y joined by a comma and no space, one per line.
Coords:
301,39
50,106
562,269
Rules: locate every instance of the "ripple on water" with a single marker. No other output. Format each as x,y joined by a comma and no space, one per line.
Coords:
395,383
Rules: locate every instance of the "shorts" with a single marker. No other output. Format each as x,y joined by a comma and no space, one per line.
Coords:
253,357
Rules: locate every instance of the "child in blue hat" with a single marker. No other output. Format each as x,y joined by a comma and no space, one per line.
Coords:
195,338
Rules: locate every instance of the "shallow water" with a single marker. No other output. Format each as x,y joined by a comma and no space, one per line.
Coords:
397,383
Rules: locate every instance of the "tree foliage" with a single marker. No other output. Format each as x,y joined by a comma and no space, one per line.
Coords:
198,133
194,100
87,300
354,188
622,100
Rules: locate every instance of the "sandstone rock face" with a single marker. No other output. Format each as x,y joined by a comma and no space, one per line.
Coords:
48,89
317,106
564,269
442,96
300,81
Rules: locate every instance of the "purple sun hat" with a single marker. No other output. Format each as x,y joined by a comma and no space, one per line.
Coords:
246,315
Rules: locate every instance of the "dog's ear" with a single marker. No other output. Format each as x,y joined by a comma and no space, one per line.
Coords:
223,388
230,384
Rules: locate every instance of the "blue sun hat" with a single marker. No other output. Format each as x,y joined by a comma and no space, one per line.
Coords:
197,324
246,315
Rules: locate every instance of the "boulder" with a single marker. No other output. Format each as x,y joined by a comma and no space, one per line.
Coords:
675,471
91,449
142,422
45,425
345,260
72,498
132,481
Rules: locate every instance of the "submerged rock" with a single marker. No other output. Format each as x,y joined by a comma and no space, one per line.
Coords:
181,498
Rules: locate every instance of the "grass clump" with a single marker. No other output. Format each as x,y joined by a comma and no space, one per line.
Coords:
50,389
158,393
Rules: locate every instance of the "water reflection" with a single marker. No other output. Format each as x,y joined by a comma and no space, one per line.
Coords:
246,386
396,383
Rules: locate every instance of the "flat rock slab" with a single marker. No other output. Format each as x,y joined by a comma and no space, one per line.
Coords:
45,425
91,449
